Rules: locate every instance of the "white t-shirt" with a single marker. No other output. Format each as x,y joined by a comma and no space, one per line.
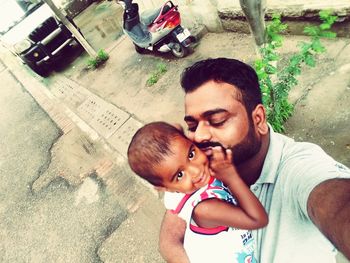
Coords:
290,172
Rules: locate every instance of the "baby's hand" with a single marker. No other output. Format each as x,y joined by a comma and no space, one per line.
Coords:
221,164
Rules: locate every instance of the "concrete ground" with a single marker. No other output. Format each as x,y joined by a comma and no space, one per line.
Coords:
46,223
97,112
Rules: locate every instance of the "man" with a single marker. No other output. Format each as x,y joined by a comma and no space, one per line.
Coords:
304,191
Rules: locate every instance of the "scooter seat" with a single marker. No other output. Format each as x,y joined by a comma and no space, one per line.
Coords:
148,16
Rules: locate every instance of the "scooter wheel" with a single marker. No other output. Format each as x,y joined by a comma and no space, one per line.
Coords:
139,50
179,50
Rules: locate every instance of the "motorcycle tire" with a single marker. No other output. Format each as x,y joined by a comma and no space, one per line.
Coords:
179,50
139,50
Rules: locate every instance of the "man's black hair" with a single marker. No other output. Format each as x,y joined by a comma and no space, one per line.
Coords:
231,71
148,147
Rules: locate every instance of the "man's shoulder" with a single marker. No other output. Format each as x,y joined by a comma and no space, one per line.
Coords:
300,158
302,161
284,150
300,151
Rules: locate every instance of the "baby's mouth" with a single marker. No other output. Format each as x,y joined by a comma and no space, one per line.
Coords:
201,179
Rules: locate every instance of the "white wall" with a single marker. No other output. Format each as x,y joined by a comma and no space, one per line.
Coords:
205,12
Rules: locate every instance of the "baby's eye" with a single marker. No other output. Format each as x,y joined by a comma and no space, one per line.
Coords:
180,175
192,154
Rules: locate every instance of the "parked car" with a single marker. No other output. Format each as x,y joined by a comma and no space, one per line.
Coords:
35,35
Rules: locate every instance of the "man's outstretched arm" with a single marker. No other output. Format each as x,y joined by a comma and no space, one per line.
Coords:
171,239
329,209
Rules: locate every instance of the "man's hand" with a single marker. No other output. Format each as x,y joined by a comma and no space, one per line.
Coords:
171,239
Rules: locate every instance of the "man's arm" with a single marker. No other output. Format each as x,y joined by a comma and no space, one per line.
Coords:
329,208
171,239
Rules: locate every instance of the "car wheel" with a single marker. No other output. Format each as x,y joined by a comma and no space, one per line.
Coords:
42,71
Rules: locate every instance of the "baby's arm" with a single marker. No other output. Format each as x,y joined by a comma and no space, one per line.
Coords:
249,214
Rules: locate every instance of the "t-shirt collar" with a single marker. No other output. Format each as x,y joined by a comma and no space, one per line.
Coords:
272,159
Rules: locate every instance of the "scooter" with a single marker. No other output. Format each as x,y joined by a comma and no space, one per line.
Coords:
158,29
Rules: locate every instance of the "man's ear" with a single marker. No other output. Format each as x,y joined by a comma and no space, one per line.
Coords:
259,119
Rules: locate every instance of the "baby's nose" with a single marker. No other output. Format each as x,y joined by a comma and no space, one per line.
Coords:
194,171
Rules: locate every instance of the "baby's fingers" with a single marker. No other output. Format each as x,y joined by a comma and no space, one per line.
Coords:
229,154
219,153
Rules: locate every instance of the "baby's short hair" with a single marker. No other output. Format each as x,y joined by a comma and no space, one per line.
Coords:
148,147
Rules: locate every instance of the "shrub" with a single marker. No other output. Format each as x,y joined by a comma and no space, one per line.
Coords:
275,85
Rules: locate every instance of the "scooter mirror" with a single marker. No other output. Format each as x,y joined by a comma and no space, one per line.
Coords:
122,4
126,4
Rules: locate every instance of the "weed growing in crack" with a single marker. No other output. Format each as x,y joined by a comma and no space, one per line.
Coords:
97,61
156,75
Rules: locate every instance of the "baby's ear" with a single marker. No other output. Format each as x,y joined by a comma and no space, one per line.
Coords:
179,127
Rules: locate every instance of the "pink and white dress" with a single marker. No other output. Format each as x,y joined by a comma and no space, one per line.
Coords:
219,244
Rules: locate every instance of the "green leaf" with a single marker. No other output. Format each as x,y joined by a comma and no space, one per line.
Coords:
317,46
324,14
276,16
311,30
310,61
332,19
294,60
273,57
328,34
325,26
258,64
270,69
304,47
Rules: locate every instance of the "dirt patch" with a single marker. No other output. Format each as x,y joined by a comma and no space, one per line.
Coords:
74,157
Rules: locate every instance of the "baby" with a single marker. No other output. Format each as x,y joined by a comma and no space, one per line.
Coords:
218,207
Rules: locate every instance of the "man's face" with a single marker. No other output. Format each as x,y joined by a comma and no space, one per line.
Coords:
214,114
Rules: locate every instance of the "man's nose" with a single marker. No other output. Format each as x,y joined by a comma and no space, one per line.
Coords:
202,133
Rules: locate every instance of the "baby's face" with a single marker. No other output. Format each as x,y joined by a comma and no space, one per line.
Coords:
186,170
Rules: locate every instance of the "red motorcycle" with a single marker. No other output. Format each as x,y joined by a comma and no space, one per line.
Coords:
158,29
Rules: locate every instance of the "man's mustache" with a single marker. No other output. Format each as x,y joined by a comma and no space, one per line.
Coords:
205,145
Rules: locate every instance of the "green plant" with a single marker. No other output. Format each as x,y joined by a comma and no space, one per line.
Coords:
275,84
100,58
156,75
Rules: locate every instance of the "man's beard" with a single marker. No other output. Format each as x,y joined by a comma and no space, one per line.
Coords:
247,148
243,151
